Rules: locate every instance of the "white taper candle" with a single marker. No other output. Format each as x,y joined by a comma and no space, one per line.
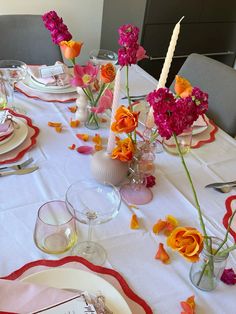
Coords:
165,69
115,104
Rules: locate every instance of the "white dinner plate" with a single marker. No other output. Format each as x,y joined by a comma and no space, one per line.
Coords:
19,135
6,139
67,278
45,89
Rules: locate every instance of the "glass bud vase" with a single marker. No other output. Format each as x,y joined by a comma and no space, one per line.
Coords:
206,273
93,121
141,166
184,139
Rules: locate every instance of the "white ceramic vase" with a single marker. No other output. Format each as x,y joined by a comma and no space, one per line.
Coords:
103,168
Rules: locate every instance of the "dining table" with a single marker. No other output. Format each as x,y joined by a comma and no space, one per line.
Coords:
130,253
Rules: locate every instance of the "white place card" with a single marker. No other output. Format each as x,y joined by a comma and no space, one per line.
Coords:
48,71
77,305
3,116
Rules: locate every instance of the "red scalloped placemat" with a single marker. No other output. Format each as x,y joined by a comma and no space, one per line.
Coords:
229,211
18,152
140,305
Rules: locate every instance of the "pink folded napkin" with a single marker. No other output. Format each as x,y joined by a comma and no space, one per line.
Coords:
56,80
6,130
200,122
22,297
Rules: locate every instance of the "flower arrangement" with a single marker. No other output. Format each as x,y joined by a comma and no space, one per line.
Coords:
93,80
172,115
126,119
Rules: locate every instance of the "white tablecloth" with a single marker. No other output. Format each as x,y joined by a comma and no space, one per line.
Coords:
131,252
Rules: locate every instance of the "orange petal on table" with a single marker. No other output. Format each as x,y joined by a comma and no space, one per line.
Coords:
162,254
134,224
159,226
58,129
84,137
171,224
72,109
103,120
54,124
98,147
97,139
74,123
188,306
72,147
86,150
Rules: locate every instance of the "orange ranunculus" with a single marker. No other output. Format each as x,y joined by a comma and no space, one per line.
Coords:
124,150
183,88
187,241
162,254
71,49
108,73
125,120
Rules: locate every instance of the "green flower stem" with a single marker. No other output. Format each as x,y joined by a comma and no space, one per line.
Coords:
226,235
228,250
101,92
92,117
127,87
193,190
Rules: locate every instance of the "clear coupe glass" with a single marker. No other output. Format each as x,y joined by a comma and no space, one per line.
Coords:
12,71
92,203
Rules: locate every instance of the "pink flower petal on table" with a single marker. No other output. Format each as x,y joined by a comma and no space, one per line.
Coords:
229,276
86,150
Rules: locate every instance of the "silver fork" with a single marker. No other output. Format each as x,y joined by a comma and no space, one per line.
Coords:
19,166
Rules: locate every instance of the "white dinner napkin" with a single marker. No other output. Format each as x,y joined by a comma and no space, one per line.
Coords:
62,79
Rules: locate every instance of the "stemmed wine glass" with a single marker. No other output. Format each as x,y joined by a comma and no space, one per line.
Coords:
12,71
92,203
103,56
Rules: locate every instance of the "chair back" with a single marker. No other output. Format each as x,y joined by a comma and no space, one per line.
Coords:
219,81
25,38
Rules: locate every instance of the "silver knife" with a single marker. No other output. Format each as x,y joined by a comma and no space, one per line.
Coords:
220,184
19,171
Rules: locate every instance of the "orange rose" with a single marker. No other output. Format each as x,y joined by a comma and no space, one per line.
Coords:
108,73
124,150
71,49
125,120
187,241
183,88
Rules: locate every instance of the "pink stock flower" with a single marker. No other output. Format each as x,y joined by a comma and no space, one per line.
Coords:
141,53
174,115
229,276
104,102
55,25
127,55
84,75
128,35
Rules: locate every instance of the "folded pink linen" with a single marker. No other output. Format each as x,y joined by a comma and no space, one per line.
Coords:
56,80
22,297
6,130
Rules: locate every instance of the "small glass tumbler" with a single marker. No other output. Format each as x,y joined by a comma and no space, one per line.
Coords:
184,140
205,274
55,228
